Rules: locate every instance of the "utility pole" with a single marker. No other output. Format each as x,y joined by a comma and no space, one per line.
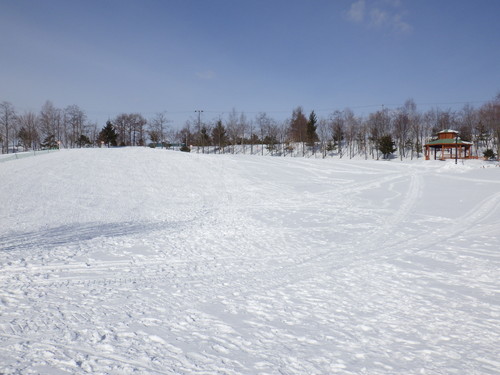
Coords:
199,111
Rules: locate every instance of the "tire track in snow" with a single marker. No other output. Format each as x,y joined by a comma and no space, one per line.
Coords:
467,222
268,278
380,247
307,268
203,282
383,235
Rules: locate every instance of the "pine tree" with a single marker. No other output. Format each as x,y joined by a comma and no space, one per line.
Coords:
386,146
219,137
108,134
489,154
49,143
83,141
311,134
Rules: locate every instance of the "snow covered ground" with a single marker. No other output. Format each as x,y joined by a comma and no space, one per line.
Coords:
142,261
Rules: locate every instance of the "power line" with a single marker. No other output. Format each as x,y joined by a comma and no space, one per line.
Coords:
111,114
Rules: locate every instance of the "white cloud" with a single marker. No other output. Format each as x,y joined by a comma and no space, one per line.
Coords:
401,26
378,17
381,14
357,11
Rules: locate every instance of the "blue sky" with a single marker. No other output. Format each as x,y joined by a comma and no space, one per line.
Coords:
149,56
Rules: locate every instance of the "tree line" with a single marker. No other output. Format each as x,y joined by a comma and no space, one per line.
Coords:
344,134
341,133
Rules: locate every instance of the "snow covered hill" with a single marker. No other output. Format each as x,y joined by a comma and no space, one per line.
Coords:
142,261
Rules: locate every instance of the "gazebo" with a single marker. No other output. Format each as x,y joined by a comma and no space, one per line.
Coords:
448,145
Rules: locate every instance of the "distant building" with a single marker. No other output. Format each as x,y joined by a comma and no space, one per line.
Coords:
448,145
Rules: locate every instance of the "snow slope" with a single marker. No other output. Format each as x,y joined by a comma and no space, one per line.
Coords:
141,261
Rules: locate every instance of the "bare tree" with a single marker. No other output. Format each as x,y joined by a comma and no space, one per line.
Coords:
379,126
490,117
282,136
28,134
130,129
93,132
402,131
272,134
351,133
263,122
337,124
198,136
137,127
158,127
483,133
8,123
362,136
445,120
74,118
435,120
185,136
243,127
468,120
416,133
430,123
53,121
233,128
121,124
253,137
325,136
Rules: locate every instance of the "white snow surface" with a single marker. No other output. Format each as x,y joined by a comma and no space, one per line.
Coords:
142,261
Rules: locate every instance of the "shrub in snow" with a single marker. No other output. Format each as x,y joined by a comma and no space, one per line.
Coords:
489,154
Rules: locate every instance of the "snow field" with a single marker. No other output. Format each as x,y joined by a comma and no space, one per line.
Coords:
121,261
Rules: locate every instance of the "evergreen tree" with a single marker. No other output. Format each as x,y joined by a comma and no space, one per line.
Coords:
272,143
219,136
311,135
49,143
489,154
386,145
108,134
83,141
185,148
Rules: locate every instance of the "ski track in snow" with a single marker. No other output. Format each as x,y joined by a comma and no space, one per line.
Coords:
136,261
